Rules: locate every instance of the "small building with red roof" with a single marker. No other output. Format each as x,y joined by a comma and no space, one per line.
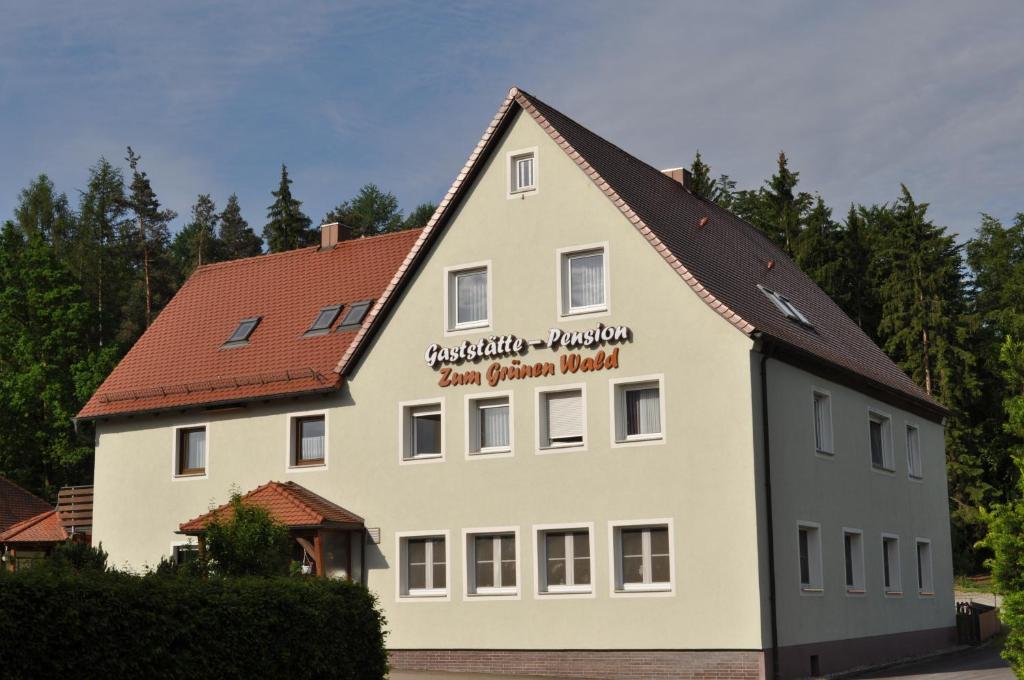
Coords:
584,423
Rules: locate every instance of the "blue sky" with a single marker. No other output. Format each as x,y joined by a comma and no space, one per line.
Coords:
215,96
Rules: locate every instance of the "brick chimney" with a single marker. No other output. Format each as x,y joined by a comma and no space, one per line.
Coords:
681,175
332,233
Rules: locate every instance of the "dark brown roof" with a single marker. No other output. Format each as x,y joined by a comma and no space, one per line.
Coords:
288,503
17,504
723,261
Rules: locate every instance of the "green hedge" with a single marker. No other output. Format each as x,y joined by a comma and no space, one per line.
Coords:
113,625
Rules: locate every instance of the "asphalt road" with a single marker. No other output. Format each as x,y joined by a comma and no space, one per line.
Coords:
974,664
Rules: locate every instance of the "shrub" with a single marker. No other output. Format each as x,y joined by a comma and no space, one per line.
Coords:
248,543
114,625
75,556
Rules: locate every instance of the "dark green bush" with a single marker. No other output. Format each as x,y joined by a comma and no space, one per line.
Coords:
247,543
112,625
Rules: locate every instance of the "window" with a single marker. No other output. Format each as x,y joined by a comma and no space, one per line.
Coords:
809,547
522,172
643,558
822,422
914,466
241,335
639,411
468,299
489,424
354,316
422,431
309,444
583,282
853,554
881,441
324,320
492,564
924,567
183,554
191,455
424,570
891,565
561,419
564,561
786,306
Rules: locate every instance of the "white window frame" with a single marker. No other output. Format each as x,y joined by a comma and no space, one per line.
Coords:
786,306
617,387
512,190
927,586
540,415
470,592
815,565
829,450
449,322
402,593
859,587
888,459
541,590
472,432
895,589
175,477
191,542
406,432
290,418
615,587
918,474
562,289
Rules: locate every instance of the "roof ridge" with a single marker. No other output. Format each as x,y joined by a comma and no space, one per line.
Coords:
24,524
347,243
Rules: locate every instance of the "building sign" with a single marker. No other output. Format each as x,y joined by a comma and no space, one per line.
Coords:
448,359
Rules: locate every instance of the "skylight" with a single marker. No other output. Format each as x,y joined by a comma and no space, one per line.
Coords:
354,317
786,306
242,333
325,319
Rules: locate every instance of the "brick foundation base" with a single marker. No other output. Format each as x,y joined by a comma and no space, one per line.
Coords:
598,665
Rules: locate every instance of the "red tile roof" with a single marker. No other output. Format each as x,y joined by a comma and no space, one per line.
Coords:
179,361
288,503
719,256
43,528
17,504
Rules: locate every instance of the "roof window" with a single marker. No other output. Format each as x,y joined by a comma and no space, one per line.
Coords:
354,317
241,335
786,306
324,320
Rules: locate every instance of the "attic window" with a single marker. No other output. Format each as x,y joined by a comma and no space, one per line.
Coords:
786,306
324,320
241,335
354,317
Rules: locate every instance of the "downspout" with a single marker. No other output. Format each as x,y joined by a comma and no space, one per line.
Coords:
766,448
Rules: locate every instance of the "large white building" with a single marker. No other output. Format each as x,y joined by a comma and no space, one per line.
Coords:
584,423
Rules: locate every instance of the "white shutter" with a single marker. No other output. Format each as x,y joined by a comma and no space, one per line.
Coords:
565,415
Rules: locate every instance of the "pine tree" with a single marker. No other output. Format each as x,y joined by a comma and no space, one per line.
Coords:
44,367
150,239
41,210
287,226
817,249
237,239
197,243
419,216
715,190
777,208
98,256
371,212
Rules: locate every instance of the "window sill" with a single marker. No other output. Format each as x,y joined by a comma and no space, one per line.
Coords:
916,478
558,448
423,458
190,475
469,327
883,469
828,454
555,591
850,590
925,593
645,588
483,453
583,311
812,590
639,440
424,595
494,592
894,593
298,467
520,192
